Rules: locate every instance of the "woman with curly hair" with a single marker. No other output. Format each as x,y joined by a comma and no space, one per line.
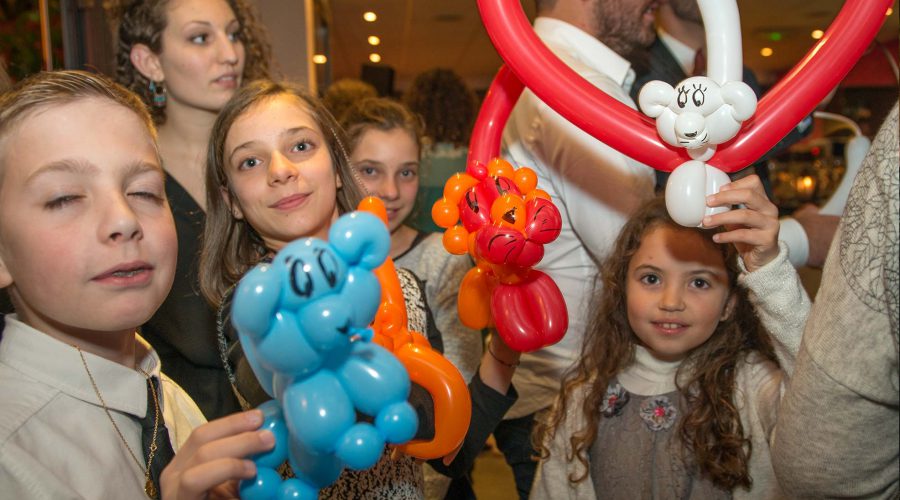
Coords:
682,370
186,58
448,108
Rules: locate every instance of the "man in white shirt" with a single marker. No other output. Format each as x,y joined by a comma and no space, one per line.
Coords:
595,187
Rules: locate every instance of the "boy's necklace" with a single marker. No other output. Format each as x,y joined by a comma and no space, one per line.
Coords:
149,487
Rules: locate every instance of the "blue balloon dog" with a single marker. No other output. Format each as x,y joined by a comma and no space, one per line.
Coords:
303,324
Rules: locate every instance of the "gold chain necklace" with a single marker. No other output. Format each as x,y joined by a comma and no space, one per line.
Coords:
149,487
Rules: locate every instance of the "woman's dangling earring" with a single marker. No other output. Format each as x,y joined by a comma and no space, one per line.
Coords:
158,93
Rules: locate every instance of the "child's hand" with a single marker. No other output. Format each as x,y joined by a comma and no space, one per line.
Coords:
211,461
753,227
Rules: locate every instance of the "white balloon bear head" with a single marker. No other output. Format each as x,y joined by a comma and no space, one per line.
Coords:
699,113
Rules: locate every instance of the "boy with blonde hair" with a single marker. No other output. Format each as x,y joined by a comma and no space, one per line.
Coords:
87,254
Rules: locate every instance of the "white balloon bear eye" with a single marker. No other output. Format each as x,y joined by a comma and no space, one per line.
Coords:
698,95
682,96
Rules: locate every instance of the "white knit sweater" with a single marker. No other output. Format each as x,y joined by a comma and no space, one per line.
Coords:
783,306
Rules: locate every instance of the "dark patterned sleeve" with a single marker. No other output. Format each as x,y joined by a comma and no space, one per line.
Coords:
488,408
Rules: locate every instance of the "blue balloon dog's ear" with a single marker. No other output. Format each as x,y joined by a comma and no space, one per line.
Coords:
255,301
361,239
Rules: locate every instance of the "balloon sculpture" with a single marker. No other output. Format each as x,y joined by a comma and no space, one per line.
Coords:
506,222
702,112
533,65
426,367
303,323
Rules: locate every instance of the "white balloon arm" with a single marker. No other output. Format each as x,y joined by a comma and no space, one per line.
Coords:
723,40
855,151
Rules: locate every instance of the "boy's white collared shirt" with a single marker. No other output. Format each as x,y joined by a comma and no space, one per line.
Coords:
56,440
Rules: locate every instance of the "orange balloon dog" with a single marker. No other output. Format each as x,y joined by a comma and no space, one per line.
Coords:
426,367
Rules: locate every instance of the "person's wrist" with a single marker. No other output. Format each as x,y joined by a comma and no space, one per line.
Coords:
502,353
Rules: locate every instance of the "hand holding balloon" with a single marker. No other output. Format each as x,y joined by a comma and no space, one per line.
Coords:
212,460
701,113
752,228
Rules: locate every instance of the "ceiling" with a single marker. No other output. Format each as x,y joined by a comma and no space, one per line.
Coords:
417,35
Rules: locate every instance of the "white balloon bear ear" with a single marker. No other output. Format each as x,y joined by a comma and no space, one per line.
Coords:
655,97
654,101
741,98
686,191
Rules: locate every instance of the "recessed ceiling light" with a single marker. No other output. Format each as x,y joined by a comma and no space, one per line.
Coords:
374,40
375,57
889,11
320,59
817,34
766,51
370,16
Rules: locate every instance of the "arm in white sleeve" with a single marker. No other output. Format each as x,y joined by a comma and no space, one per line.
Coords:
794,236
599,186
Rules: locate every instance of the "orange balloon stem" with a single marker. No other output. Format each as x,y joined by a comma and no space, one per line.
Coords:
426,367
374,206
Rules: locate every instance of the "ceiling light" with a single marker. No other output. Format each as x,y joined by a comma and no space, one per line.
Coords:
817,34
766,51
370,17
320,59
375,57
889,11
374,40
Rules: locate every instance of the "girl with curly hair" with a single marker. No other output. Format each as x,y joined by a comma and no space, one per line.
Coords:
185,59
682,370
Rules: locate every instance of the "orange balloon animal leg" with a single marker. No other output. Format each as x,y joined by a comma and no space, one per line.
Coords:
452,402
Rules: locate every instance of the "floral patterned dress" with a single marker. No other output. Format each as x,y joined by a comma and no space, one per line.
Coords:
638,438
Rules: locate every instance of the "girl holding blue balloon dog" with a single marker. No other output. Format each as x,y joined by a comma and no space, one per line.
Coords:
683,368
277,171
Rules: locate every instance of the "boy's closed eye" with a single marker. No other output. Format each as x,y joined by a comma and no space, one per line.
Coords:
148,195
60,201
